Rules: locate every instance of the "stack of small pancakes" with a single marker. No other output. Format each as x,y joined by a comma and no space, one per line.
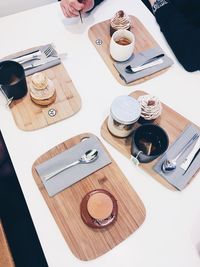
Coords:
42,90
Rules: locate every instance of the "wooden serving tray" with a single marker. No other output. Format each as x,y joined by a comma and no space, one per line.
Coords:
87,243
170,120
6,259
144,41
28,116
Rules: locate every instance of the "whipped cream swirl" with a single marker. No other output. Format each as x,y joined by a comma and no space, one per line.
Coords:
120,21
151,107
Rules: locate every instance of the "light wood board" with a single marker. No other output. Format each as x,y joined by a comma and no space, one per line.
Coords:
87,243
170,120
6,259
144,41
28,116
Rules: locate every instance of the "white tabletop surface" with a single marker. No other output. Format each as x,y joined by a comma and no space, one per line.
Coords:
170,233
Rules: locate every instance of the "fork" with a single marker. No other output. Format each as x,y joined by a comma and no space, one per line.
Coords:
49,50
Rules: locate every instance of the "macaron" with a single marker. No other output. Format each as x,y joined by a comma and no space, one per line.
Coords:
100,206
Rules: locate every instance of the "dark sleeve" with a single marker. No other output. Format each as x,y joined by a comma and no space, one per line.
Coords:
96,2
182,36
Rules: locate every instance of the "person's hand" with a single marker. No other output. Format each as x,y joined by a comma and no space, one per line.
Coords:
71,8
152,2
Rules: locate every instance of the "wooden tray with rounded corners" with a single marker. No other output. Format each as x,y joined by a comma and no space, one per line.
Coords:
170,120
144,41
28,116
6,259
87,243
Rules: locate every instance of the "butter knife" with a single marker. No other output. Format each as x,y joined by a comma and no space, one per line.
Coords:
42,62
187,162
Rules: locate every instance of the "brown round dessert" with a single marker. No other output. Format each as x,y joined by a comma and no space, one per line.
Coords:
99,208
42,91
120,21
151,108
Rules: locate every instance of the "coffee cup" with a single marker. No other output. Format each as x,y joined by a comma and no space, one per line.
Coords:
12,80
122,45
149,141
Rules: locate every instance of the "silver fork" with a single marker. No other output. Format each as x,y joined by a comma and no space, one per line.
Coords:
49,50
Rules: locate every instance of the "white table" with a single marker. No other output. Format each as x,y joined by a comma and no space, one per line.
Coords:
170,233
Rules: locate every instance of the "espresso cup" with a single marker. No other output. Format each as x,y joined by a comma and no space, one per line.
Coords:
149,137
12,80
122,45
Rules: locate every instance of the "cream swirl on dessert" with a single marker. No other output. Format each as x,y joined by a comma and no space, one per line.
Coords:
151,107
120,21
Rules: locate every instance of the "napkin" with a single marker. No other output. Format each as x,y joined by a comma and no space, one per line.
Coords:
55,60
177,177
75,173
139,59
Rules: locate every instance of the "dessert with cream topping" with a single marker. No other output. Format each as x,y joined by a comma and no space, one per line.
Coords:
151,108
120,21
42,90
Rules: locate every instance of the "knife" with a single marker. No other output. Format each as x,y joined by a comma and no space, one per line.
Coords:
41,62
192,161
191,156
27,56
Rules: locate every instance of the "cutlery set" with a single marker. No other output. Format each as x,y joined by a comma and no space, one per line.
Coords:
37,58
191,156
170,165
49,51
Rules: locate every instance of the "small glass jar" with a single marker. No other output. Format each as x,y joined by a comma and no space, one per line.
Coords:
124,112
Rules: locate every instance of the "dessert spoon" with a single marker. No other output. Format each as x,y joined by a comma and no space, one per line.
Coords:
147,64
170,164
88,157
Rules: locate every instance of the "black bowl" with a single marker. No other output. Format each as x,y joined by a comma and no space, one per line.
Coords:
148,142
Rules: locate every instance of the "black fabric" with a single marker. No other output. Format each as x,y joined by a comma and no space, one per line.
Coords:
180,23
15,217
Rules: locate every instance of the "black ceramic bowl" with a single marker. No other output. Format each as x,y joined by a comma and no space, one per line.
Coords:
148,142
12,79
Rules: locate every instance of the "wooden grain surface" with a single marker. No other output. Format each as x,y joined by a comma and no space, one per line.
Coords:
87,243
170,120
6,259
144,41
29,116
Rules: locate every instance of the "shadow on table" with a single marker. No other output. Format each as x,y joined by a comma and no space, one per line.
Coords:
15,217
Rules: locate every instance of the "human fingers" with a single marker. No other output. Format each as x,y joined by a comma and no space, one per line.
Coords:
88,4
64,10
74,8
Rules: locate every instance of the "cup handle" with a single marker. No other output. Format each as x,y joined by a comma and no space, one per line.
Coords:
8,100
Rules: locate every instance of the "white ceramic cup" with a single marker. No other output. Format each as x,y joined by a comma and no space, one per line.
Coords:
122,52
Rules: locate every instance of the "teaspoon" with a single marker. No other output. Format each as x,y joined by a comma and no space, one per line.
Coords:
87,157
147,64
170,164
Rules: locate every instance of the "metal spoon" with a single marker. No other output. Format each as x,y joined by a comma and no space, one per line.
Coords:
80,15
88,157
170,165
147,64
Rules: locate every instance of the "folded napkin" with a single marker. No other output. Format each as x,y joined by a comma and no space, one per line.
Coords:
139,59
75,173
55,60
177,177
